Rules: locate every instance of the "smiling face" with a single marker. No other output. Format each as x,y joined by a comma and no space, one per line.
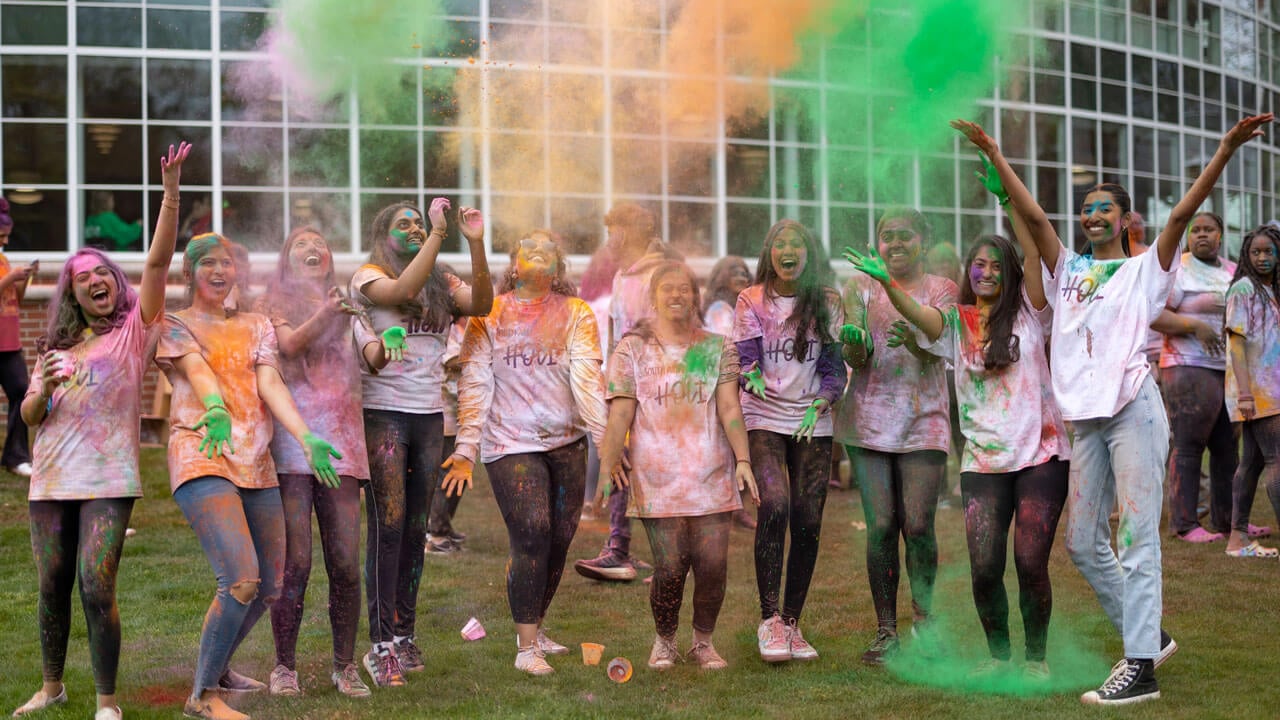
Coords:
94,286
407,232
1204,237
309,257
215,275
673,296
899,245
537,256
1262,256
1101,217
789,256
986,274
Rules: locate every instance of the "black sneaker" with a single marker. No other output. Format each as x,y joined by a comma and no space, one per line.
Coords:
1167,648
1131,681
885,645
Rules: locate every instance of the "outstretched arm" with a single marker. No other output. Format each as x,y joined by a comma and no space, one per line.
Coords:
156,270
928,319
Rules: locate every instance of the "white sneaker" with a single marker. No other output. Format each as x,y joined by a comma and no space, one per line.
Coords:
800,648
771,637
549,646
41,700
109,713
283,681
664,654
533,661
23,469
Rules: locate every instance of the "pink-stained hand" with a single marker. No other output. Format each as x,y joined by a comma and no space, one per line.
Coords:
871,264
435,213
747,481
171,167
974,133
471,224
1246,130
458,479
56,367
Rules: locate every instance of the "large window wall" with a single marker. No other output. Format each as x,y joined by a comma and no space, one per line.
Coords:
1135,92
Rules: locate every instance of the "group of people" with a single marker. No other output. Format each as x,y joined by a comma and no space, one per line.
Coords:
681,417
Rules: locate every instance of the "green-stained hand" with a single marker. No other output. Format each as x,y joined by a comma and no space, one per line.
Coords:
754,378
900,334
990,178
854,335
318,452
216,422
393,343
807,425
871,263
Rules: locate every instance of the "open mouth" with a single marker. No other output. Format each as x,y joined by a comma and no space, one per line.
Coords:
312,261
217,284
100,295
788,263
987,284
541,257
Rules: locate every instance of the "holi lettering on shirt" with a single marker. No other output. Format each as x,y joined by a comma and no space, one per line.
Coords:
1084,287
785,350
516,356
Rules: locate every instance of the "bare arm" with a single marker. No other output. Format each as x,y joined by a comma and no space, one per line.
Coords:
622,412
478,299
390,292
156,270
1240,368
294,341
729,409
928,319
1032,269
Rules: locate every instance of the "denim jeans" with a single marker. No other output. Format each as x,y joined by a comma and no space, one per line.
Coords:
1122,458
242,533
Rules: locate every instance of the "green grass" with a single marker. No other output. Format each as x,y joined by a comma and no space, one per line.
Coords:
1223,613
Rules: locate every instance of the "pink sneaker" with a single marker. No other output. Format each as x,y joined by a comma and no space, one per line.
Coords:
771,636
1199,535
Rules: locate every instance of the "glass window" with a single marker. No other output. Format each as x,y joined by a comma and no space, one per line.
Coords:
1190,80
1212,85
254,219
252,155
1051,142
1113,98
639,94
746,225
579,223
1115,145
1142,72
39,218
1140,31
451,160
1191,112
577,165
1167,108
851,109
1084,139
576,46
1051,56
112,220
42,157
330,213
110,87
1167,147
388,158
109,26
1143,104
517,42
112,153
243,30
637,167
793,115
178,29
849,227
1113,65
33,25
462,40
319,157
581,92
692,228
1050,89
1015,133
895,180
846,175
178,89
1084,94
515,8
1166,75
514,215
451,97
938,180
388,95
1084,60
34,86
523,166
796,172
197,169
250,93
1144,152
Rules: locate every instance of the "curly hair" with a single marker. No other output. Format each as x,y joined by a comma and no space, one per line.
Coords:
66,320
1266,294
1002,347
433,303
560,284
812,313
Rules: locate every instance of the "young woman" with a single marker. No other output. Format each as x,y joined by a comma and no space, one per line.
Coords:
1014,465
1253,381
224,368
786,326
321,367
895,424
404,429
13,363
1192,368
531,389
85,480
1103,304
673,388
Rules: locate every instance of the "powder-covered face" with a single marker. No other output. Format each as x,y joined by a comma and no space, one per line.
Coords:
899,245
789,255
407,232
536,256
1262,256
986,274
1204,238
739,279
215,275
1101,217
309,257
673,296
93,286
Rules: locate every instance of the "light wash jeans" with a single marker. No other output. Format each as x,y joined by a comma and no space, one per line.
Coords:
242,533
1122,458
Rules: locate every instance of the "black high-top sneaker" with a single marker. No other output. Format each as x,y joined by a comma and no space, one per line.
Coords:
1131,681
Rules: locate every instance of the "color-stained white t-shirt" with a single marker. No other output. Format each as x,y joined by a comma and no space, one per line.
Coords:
1253,315
1200,292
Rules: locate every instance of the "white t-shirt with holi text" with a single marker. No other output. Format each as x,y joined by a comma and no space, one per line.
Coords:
1200,292
681,461
1101,312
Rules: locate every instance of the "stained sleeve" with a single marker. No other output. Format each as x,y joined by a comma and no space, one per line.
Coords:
475,387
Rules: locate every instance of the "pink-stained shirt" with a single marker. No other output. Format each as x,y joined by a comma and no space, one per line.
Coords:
233,347
325,383
10,336
1008,417
87,448
681,461
414,384
1101,312
449,388
790,385
1253,315
1200,292
630,302
531,379
719,318
897,402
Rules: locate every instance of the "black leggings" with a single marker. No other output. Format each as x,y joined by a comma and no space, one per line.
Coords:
83,538
337,512
900,496
1261,459
404,461
1198,420
540,497
1035,496
792,476
680,544
14,378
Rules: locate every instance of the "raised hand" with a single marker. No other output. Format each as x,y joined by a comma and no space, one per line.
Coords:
435,213
458,479
471,224
318,453
171,167
216,422
871,263
56,367
974,133
990,178
393,343
755,380
1246,130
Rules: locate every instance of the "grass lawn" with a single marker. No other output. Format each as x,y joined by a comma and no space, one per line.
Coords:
1223,612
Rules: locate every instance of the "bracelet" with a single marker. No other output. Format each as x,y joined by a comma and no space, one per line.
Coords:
1002,200
166,203
744,461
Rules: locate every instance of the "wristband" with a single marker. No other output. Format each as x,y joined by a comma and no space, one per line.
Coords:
1002,199
744,461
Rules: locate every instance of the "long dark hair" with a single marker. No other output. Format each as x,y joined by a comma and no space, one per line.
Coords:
433,304
718,281
1002,347
66,321
560,284
1121,196
812,313
1261,299
284,291
644,329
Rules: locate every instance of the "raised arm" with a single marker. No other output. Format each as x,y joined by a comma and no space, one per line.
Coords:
478,299
928,319
393,292
1244,131
156,270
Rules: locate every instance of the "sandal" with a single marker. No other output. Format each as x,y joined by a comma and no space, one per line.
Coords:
1253,549
1256,531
